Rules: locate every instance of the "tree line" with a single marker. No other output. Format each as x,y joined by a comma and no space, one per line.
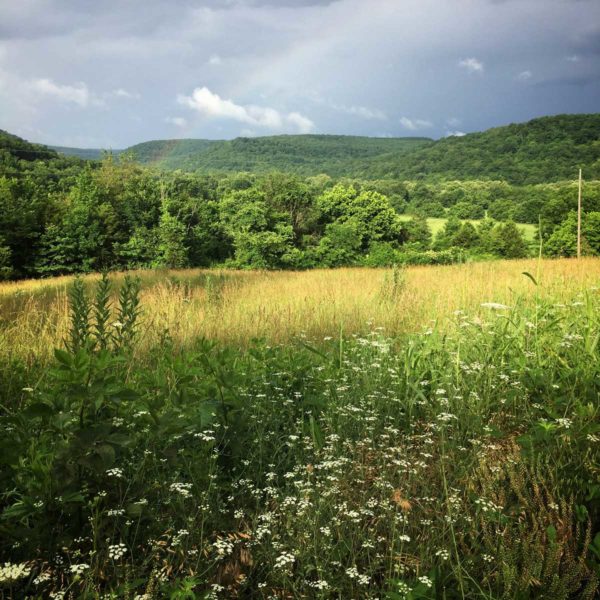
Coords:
62,215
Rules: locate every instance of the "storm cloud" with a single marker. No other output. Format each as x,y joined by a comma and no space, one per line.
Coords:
113,73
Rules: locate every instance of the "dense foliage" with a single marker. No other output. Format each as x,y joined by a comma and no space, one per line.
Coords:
64,215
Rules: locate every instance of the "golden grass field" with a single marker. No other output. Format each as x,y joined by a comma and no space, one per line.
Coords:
237,306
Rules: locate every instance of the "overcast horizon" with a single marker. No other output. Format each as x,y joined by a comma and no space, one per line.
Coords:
110,76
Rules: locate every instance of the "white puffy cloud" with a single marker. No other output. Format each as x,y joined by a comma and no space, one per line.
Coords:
76,94
304,124
472,65
524,75
455,133
415,124
212,105
215,60
177,121
121,93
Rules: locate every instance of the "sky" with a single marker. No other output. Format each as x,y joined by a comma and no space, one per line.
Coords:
112,73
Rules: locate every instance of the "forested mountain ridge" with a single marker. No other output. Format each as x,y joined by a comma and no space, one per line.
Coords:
542,150
85,153
20,149
334,155
539,151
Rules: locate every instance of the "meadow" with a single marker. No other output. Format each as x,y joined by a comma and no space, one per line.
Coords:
436,224
417,433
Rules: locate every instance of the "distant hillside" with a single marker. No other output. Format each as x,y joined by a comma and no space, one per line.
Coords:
170,153
22,159
85,153
16,148
336,155
542,150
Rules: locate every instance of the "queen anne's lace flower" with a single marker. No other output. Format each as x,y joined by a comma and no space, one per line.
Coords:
10,572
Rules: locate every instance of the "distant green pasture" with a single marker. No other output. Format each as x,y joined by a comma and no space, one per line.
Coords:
437,223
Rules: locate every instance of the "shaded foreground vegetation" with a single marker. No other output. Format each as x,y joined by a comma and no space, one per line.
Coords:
453,459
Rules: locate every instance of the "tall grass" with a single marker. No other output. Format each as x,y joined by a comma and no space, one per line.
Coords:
236,307
459,459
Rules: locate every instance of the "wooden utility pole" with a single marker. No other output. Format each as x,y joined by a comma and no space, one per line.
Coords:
579,219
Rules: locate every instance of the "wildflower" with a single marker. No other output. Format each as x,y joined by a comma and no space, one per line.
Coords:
116,472
443,554
425,581
79,569
41,578
10,572
495,306
403,588
117,551
183,489
223,547
285,560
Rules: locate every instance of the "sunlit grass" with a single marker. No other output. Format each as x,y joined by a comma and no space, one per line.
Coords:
234,307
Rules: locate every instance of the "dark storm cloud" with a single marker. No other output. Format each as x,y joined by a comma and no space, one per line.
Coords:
116,72
588,43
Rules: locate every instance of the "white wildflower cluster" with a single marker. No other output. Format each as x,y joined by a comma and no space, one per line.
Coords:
115,512
320,585
178,537
10,572
184,489
425,581
117,551
446,417
223,547
116,472
487,505
206,436
42,578
564,422
285,560
495,306
79,569
443,554
353,573
403,588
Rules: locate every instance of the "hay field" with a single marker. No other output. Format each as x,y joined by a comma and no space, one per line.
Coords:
233,307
